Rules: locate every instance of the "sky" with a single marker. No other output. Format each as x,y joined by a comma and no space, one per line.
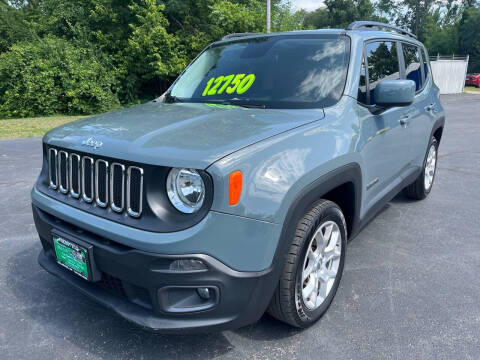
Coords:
307,4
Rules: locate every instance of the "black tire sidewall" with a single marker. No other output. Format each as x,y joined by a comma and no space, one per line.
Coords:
306,316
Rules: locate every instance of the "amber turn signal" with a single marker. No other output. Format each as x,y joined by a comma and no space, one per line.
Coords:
235,187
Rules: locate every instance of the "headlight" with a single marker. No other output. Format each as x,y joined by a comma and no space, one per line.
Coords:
185,189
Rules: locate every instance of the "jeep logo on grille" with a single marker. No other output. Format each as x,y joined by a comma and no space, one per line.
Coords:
92,143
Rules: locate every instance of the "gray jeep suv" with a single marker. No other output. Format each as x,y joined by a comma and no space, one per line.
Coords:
235,193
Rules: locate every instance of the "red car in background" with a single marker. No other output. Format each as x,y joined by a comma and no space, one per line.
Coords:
473,79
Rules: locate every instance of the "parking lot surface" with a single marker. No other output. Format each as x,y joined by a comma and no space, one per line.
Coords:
411,286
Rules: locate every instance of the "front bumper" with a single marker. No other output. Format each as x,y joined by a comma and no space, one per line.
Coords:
140,287
138,284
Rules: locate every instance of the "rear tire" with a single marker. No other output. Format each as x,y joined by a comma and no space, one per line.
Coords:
313,267
422,186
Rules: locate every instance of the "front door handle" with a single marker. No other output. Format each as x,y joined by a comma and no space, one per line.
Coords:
404,120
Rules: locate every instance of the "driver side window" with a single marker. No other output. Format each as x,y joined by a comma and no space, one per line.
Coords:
382,63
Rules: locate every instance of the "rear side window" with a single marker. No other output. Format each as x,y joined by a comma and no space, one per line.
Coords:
411,54
382,63
426,68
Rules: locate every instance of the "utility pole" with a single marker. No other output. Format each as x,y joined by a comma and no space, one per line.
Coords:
268,15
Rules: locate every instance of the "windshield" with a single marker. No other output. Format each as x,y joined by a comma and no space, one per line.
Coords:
306,71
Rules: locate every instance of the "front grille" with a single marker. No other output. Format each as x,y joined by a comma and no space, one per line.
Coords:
134,190
63,171
113,185
52,168
87,179
75,183
101,182
117,186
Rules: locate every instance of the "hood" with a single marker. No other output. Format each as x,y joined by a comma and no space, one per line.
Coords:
182,134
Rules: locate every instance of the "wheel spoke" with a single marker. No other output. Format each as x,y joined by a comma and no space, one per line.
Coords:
324,238
328,233
314,294
308,270
325,275
332,254
311,287
319,241
323,291
334,236
313,255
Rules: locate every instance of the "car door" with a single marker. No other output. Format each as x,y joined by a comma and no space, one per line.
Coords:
421,113
384,137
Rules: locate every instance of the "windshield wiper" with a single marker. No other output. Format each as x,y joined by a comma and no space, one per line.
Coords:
242,103
252,106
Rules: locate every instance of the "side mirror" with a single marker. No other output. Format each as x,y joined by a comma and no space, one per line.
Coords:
389,93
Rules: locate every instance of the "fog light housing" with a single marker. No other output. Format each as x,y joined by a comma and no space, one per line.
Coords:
204,293
187,265
187,299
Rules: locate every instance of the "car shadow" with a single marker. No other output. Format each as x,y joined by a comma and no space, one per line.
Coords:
400,198
267,329
45,302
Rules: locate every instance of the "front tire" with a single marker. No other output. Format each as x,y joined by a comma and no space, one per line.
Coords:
422,186
313,267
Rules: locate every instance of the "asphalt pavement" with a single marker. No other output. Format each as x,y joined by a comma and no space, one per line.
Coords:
410,289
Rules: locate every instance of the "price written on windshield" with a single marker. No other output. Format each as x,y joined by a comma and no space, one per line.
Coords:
234,83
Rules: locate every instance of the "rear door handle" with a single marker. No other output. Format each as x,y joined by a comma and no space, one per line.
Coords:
430,107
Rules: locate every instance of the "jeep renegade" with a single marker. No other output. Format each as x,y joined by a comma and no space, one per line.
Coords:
236,191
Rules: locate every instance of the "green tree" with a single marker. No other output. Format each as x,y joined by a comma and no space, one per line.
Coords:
425,18
340,13
228,17
284,19
152,53
14,25
442,40
52,77
469,39
317,19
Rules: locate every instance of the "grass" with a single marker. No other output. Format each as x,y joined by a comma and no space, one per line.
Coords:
472,89
28,127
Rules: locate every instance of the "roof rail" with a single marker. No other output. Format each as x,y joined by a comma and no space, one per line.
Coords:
237,35
375,24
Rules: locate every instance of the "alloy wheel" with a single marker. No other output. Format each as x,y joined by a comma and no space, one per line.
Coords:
430,166
321,263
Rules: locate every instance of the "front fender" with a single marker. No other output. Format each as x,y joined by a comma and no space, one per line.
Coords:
276,170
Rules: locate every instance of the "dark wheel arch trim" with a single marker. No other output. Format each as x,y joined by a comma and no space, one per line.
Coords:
304,200
439,124
314,191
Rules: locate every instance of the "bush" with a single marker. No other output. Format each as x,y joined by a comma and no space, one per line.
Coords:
52,76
